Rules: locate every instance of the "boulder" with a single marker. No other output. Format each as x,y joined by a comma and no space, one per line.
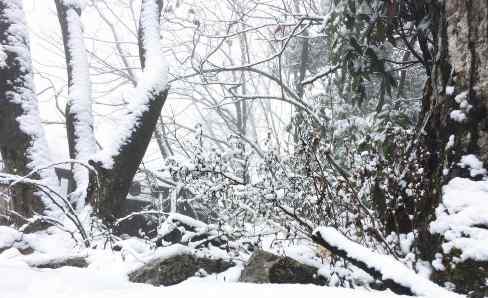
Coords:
265,267
73,261
173,270
12,238
38,224
138,225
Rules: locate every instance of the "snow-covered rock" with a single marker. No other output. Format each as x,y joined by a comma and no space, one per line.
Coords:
265,267
173,270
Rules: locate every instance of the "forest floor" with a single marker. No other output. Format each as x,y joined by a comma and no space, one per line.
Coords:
106,275
18,280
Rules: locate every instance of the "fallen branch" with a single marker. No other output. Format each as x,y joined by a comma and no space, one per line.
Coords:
394,274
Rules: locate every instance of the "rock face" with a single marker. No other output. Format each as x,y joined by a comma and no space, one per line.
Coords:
265,267
176,269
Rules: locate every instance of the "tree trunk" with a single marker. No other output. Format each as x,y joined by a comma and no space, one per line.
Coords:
116,180
22,143
457,118
79,118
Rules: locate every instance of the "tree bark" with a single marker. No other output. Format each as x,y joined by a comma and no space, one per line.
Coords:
79,118
115,182
22,142
461,62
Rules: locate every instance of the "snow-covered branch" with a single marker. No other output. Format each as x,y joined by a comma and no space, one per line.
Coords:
395,275
119,161
151,86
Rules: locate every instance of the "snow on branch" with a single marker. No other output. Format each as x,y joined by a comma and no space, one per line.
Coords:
395,275
150,86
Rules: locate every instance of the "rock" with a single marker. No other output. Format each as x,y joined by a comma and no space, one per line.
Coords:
37,225
12,238
76,261
172,237
138,225
22,246
265,267
176,269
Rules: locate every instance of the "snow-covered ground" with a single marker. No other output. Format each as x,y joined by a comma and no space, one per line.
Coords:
18,280
106,275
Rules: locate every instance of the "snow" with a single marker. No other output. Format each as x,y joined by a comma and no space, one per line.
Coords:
20,281
406,241
8,237
106,275
80,102
200,228
387,265
464,208
77,4
437,263
153,81
29,121
449,90
458,116
475,165
188,221
3,57
450,143
461,97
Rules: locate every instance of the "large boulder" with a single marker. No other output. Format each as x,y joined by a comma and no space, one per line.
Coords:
265,267
173,270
